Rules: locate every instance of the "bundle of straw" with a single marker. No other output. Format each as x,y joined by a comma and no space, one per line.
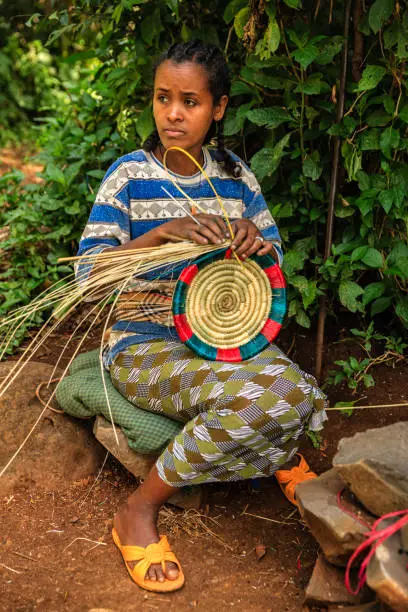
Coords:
113,272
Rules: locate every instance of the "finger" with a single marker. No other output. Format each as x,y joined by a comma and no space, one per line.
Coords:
266,248
216,225
198,238
240,236
243,249
210,232
221,224
257,245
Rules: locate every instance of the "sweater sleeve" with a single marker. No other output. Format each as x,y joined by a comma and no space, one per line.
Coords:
257,211
109,222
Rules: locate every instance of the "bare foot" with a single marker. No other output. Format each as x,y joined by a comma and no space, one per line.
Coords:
135,523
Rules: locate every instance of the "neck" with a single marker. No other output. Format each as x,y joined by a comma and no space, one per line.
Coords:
178,162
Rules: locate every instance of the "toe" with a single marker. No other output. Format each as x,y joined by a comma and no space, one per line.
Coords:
172,571
159,573
151,573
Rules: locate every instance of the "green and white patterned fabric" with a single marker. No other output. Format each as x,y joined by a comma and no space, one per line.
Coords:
241,420
81,394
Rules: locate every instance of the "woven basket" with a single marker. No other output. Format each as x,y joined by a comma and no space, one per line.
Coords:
225,310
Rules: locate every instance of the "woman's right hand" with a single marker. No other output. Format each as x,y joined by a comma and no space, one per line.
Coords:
209,229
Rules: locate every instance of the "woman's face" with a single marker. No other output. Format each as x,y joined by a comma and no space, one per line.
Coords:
183,106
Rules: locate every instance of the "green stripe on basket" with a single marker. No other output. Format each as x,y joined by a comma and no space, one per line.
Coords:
278,307
201,348
179,298
253,347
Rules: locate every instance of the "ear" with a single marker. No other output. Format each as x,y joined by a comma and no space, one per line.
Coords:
219,108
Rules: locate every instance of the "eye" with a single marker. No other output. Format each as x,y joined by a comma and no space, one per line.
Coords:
190,102
163,99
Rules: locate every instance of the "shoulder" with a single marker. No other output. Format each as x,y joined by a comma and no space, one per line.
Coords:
128,164
247,177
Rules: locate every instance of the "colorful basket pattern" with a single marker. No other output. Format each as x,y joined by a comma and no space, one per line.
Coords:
227,311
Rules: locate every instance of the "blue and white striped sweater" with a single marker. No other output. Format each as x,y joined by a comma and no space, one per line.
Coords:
131,201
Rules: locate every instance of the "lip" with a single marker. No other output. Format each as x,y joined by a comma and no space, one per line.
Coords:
174,133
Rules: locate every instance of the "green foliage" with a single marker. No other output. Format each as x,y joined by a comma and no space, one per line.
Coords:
285,61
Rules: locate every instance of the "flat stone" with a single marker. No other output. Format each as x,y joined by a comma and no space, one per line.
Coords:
374,465
60,451
327,586
337,532
371,606
387,574
139,464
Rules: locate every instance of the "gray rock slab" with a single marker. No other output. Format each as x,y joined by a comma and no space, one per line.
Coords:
139,464
371,606
326,587
337,532
374,464
60,451
387,574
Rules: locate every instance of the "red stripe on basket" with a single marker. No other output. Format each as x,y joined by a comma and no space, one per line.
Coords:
228,254
229,355
275,275
188,274
183,329
271,329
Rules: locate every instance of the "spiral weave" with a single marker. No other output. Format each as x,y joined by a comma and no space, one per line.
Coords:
228,304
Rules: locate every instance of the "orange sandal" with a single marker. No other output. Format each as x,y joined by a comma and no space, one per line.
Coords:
159,552
289,479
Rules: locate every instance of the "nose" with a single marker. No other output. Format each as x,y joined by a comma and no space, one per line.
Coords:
175,113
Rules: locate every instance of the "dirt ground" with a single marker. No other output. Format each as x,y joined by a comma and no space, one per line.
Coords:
57,554
56,551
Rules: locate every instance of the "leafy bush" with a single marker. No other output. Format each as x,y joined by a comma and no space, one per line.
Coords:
285,59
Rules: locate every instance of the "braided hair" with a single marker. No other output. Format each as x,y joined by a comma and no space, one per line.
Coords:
219,82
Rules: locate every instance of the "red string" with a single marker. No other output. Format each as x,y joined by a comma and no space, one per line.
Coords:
374,539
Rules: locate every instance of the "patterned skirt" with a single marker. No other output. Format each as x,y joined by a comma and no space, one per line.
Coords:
242,420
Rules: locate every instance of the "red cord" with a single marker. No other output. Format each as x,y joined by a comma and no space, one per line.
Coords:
374,540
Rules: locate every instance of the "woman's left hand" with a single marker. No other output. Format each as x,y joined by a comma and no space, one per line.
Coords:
249,240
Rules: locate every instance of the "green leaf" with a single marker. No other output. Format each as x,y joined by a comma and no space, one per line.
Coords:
145,123
151,27
373,258
240,21
270,41
402,310
389,140
271,116
378,118
313,86
348,293
359,253
306,55
372,291
370,140
380,305
99,174
352,159
403,114
233,8
267,160
302,318
329,49
55,174
379,12
295,4
239,88
386,199
371,77
260,78
311,166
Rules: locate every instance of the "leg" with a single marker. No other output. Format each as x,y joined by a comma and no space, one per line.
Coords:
136,520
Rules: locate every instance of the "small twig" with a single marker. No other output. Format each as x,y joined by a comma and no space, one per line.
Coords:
97,543
96,479
10,568
265,518
14,552
37,394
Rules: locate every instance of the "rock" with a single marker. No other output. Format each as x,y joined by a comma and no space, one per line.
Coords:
372,606
138,464
337,532
387,574
60,450
374,465
327,587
